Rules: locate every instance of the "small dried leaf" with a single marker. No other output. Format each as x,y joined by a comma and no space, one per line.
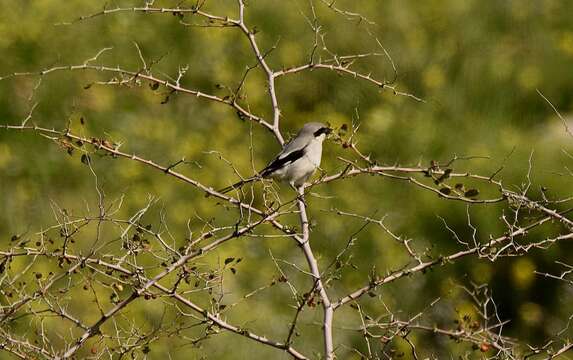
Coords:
484,347
229,260
445,191
86,159
471,193
343,130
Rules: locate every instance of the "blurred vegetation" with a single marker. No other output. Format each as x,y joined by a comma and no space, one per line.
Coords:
476,64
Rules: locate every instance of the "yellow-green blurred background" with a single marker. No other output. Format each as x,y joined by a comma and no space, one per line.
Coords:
476,64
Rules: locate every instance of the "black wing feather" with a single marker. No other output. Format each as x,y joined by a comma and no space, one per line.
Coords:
279,162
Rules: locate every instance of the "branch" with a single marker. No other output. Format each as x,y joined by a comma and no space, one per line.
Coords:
327,306
444,260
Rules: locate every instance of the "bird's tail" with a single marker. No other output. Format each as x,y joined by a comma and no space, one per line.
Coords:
238,184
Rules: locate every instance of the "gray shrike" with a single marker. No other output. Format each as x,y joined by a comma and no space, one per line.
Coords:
298,159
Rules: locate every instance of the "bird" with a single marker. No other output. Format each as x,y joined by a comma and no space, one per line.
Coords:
297,161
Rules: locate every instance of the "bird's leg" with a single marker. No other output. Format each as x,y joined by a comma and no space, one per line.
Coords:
293,186
300,192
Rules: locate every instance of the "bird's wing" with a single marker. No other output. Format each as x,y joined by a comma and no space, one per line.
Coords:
298,143
292,151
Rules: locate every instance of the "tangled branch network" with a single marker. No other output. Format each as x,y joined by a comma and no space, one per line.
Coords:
76,288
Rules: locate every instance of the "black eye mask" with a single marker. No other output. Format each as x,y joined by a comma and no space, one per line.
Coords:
321,131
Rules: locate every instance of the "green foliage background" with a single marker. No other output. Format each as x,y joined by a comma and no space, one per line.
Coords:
477,64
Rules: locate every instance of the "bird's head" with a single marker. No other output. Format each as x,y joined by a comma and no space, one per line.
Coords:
316,130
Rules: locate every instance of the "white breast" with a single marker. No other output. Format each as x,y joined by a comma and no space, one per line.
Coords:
314,151
299,171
